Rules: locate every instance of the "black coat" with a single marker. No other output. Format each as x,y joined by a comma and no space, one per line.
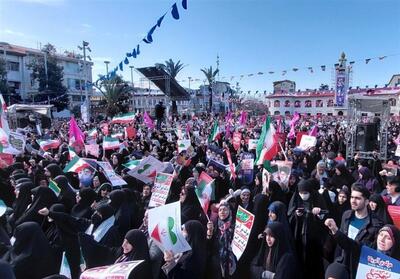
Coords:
350,248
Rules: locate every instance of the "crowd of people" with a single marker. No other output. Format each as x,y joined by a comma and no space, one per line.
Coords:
314,227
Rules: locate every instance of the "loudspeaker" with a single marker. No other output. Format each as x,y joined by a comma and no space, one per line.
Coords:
366,137
46,122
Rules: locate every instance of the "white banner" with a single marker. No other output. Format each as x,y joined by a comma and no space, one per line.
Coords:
17,142
109,172
160,189
115,271
92,149
243,225
165,228
307,142
147,169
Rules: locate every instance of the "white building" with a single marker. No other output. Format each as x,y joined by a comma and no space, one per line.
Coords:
20,80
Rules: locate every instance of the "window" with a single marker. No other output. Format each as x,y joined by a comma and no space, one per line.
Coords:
297,104
308,104
319,103
330,103
79,85
392,102
13,66
287,104
277,104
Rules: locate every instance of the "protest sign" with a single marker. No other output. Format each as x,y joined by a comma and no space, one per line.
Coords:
394,212
373,264
115,271
307,142
92,149
165,228
183,145
17,143
243,225
237,137
147,169
253,143
160,190
283,174
247,168
109,172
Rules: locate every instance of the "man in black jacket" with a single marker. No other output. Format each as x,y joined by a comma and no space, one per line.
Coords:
359,227
160,109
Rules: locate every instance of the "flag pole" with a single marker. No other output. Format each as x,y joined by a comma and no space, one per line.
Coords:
284,153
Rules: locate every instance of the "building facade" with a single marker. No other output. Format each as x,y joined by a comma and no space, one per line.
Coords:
19,76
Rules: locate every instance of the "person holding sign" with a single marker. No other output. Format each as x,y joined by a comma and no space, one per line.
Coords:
191,264
223,261
275,259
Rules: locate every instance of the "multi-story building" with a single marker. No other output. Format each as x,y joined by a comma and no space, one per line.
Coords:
284,86
19,76
285,101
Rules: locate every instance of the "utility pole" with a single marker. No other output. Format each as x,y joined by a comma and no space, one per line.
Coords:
84,47
132,67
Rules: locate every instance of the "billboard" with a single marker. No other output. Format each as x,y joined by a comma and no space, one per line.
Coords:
340,88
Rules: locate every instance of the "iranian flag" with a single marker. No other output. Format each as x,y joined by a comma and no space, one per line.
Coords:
54,187
205,190
124,118
92,133
48,144
72,152
214,132
76,165
267,146
110,143
132,164
119,135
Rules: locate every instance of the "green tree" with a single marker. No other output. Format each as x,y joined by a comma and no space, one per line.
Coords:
50,77
116,95
3,77
210,76
172,69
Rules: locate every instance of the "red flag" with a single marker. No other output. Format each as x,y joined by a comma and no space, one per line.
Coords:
130,132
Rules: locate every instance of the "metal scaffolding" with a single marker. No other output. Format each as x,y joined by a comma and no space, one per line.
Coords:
365,109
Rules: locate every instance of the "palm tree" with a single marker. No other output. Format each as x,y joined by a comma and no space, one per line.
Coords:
210,76
172,69
115,92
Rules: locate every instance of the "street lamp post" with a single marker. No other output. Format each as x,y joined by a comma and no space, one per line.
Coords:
85,47
107,62
132,67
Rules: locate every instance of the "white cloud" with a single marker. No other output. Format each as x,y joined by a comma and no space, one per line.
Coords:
86,25
12,32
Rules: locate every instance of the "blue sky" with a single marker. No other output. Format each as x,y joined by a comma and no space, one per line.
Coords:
250,36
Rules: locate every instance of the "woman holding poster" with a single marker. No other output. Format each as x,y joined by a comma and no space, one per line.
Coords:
275,259
220,235
191,264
